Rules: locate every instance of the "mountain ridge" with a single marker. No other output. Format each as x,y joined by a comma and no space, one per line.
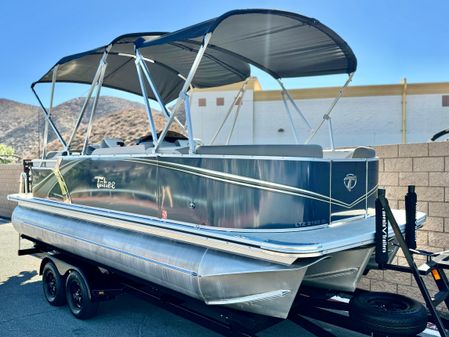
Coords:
21,123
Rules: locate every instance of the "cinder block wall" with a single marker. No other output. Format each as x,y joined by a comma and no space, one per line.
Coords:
427,167
9,183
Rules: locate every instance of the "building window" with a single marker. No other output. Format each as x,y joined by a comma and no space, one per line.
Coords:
201,102
445,100
220,101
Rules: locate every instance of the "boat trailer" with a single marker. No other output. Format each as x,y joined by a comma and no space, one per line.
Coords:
312,306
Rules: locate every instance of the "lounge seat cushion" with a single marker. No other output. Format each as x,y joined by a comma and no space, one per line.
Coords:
364,152
314,151
117,150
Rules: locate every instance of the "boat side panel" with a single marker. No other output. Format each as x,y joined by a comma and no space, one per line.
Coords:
354,186
220,192
45,185
245,193
373,181
121,185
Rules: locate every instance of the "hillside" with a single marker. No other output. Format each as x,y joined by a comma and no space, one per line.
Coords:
127,124
18,124
21,124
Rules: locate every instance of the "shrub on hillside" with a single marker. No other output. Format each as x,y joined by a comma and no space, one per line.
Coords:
6,154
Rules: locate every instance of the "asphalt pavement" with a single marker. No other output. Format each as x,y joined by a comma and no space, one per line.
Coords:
25,312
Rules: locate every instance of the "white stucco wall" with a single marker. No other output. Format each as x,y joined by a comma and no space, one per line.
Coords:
206,120
425,117
369,120
355,120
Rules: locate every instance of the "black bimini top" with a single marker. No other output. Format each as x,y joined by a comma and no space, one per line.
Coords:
281,43
120,72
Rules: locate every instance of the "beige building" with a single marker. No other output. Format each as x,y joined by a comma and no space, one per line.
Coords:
365,115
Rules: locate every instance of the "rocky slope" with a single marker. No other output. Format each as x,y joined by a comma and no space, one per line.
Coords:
21,124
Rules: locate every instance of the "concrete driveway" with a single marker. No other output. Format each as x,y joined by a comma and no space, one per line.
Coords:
25,312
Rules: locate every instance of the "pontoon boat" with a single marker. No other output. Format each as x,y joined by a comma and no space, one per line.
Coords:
242,225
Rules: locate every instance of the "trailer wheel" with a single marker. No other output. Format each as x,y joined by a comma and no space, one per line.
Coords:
386,313
78,298
53,285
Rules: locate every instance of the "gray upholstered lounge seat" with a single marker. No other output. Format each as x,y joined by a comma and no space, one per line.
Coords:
314,151
348,153
364,152
119,150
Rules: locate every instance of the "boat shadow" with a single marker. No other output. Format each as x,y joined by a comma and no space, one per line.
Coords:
24,310
19,279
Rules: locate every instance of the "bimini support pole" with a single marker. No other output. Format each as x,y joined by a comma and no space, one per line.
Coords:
140,62
88,97
285,94
290,117
147,102
331,133
49,120
182,98
240,94
52,94
326,116
235,117
94,106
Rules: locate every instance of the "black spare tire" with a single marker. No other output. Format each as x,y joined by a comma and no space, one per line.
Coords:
387,313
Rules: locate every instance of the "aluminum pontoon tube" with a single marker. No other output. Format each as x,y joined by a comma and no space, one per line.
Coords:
215,277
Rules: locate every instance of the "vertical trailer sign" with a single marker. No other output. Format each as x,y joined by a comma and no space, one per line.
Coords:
381,236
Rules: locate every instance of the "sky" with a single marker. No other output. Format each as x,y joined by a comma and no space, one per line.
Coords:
392,39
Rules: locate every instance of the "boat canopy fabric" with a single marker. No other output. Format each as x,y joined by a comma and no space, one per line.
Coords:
281,43
120,72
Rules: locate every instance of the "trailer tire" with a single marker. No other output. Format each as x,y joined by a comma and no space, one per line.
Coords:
53,285
78,296
386,313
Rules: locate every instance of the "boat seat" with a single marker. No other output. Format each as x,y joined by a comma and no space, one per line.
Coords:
364,152
348,153
281,150
91,148
118,150
111,142
149,145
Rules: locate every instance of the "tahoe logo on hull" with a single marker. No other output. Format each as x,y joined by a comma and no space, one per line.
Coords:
102,182
350,181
